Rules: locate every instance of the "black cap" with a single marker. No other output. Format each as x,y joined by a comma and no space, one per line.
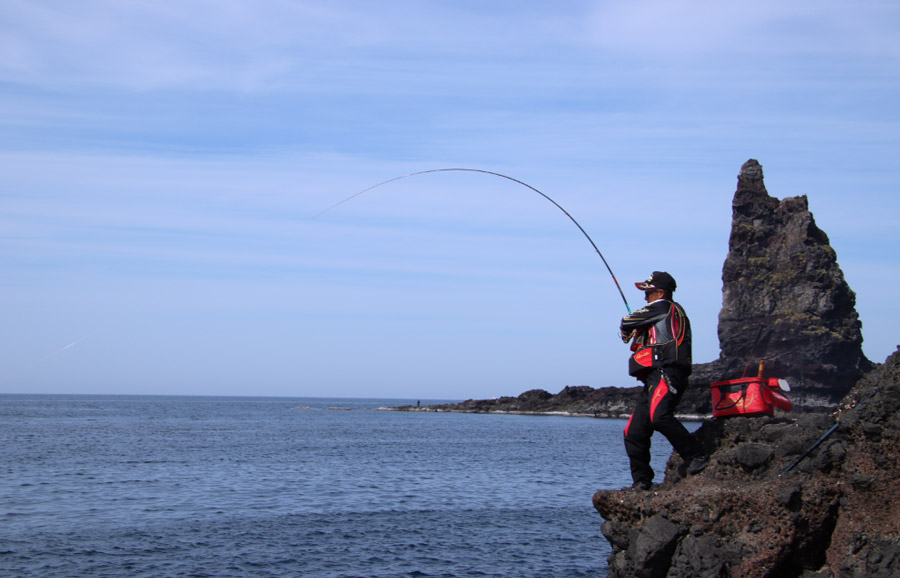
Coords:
657,280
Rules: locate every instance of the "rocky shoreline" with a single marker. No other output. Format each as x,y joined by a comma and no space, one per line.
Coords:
578,401
586,401
765,507
811,493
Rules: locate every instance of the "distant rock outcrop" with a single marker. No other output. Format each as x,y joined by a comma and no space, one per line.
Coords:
835,514
781,283
581,400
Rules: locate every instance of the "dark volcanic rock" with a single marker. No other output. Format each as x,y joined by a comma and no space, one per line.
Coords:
781,282
581,400
835,514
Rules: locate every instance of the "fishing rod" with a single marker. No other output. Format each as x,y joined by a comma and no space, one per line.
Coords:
485,172
833,429
753,349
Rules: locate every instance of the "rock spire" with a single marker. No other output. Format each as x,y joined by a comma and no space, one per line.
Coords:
781,282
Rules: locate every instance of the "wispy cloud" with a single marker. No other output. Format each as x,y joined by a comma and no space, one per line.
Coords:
162,162
193,45
703,31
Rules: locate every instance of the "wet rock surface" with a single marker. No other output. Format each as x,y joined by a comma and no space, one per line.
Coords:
834,514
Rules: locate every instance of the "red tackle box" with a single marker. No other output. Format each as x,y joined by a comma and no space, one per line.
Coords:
748,396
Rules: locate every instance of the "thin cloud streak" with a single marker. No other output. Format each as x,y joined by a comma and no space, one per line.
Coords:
161,165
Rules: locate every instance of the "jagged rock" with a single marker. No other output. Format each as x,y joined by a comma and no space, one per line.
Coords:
834,514
781,283
653,548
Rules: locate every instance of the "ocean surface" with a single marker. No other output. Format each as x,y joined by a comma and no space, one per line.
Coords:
135,486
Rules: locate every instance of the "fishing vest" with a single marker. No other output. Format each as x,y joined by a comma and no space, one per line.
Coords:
665,342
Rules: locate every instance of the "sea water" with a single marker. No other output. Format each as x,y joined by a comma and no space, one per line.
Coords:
250,487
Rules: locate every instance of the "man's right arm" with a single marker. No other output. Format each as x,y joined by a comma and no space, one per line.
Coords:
643,317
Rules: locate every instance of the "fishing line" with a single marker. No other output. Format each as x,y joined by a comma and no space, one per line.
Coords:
524,184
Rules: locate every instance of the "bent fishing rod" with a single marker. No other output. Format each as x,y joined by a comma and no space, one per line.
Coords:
502,176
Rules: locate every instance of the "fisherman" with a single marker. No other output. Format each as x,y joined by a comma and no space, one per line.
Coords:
660,336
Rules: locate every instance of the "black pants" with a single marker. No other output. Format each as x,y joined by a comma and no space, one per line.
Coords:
655,411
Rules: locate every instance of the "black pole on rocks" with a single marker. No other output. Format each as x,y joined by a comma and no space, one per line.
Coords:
833,429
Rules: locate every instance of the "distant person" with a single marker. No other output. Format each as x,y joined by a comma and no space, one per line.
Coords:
660,336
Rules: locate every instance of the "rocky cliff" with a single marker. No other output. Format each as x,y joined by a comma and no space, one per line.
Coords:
834,514
784,300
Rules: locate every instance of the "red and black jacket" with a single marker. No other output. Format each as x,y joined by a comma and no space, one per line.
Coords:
661,337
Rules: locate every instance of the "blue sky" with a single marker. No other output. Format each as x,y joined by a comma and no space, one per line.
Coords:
162,163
